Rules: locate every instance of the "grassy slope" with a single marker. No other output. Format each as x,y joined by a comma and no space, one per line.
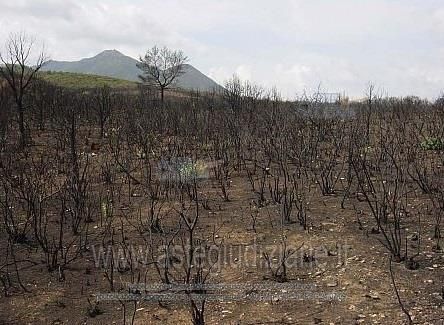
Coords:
78,80
88,81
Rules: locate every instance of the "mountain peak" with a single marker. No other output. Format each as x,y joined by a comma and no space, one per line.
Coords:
109,53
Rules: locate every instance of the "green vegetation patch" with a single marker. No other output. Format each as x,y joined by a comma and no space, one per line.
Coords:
81,81
432,144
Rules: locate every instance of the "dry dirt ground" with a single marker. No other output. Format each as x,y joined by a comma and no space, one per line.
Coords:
356,266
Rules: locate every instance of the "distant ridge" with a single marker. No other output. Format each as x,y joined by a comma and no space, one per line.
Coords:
112,63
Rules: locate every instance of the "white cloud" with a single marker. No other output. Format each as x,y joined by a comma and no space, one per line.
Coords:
219,74
244,72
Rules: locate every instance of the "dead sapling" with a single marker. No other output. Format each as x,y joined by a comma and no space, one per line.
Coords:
278,269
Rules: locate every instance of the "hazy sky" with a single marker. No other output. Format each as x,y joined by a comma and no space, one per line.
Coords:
293,44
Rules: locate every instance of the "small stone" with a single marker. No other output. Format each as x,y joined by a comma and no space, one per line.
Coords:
373,295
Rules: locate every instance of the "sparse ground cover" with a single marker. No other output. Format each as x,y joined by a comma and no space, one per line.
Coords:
227,190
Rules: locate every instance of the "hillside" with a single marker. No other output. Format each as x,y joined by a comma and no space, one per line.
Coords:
112,63
79,80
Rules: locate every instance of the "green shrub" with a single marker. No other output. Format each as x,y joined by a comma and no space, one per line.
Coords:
432,144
